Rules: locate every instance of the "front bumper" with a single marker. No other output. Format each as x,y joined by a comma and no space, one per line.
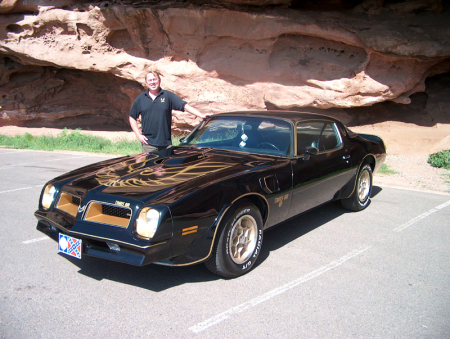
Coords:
99,245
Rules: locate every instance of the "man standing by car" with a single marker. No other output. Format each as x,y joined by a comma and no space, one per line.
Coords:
155,108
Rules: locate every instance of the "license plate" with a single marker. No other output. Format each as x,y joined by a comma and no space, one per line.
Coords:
70,246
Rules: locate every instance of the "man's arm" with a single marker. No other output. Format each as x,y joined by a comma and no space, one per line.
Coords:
135,128
193,111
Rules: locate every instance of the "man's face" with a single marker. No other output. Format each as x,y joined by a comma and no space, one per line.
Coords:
152,82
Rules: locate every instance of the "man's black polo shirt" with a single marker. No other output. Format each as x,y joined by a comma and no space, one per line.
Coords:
156,115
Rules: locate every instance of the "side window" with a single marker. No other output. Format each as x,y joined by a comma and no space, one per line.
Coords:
330,138
319,134
308,134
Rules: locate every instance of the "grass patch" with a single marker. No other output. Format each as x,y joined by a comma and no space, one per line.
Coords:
176,139
71,141
386,170
440,159
75,141
446,178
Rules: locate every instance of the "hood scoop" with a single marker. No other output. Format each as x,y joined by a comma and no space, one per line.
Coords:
176,161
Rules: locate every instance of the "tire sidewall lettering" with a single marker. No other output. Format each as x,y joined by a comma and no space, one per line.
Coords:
247,265
240,214
258,245
227,245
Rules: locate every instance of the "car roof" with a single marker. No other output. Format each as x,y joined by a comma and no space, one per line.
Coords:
293,116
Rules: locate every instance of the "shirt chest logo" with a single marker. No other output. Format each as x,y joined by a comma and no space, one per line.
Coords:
163,99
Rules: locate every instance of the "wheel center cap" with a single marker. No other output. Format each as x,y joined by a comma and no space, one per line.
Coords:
242,239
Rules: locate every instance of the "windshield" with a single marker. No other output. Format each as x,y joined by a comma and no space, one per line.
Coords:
245,134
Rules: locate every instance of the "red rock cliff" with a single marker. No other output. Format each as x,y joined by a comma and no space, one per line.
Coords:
72,63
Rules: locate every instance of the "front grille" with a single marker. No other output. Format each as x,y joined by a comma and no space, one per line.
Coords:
68,203
107,214
119,212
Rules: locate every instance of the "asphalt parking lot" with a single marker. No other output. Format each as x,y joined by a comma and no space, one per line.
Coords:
383,272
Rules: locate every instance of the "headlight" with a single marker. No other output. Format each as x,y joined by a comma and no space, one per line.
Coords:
48,196
147,222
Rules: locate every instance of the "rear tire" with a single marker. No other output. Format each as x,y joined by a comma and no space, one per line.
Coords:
239,243
360,197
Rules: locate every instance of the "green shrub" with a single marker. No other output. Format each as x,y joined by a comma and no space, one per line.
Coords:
440,159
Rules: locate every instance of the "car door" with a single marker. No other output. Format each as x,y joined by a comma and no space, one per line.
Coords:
322,166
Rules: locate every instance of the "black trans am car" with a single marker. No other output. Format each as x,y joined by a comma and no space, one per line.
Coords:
211,198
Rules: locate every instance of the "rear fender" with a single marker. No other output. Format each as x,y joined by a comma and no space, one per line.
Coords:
350,188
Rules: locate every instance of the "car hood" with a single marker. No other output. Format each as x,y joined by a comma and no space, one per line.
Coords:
150,175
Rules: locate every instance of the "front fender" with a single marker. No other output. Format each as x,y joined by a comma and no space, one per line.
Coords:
197,218
200,249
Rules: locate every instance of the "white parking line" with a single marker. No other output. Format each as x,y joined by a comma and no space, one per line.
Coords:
422,216
20,189
26,242
38,162
271,294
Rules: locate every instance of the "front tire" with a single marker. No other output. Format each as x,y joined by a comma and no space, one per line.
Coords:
360,197
239,243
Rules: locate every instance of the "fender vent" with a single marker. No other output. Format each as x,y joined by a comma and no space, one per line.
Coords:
270,184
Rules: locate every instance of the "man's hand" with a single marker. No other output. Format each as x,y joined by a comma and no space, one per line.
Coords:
143,139
134,126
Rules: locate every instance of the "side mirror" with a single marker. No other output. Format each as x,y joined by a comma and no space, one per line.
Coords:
309,150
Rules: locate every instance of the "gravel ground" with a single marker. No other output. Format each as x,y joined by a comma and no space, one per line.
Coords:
414,172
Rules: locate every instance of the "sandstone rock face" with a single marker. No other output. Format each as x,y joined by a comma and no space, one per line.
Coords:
67,62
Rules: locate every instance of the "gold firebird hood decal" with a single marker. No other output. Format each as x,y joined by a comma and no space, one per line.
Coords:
157,176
